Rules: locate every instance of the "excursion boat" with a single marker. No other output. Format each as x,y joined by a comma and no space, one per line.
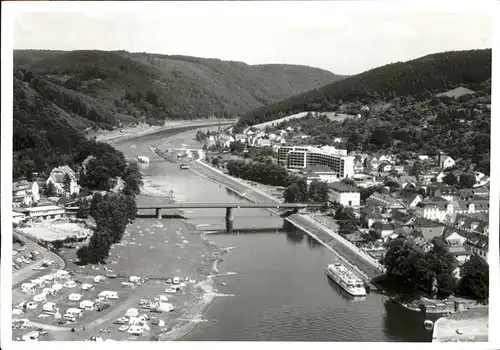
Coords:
346,279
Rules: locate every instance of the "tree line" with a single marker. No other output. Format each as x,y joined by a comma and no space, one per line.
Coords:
419,76
414,272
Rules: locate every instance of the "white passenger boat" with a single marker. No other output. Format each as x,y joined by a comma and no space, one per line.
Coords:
346,279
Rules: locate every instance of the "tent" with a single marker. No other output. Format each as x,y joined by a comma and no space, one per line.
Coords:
98,279
49,307
57,286
166,307
69,284
39,297
87,286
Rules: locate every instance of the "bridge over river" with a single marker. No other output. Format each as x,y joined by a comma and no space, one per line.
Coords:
228,206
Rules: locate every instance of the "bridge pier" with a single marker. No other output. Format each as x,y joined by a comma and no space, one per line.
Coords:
229,219
158,213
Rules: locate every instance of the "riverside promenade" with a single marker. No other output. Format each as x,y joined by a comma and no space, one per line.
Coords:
366,266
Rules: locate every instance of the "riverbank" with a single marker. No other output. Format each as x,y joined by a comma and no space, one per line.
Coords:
143,129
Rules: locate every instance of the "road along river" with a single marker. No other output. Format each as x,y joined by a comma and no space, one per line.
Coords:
275,276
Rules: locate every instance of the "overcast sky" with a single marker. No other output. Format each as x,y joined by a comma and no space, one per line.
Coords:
315,34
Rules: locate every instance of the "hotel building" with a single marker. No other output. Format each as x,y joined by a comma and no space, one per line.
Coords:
300,157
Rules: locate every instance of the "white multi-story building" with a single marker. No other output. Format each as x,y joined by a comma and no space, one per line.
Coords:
300,157
345,194
43,212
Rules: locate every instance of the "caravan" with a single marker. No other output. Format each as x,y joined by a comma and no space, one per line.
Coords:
108,295
87,305
28,288
74,312
49,308
75,297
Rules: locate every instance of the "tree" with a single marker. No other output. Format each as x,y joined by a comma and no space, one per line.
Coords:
133,180
450,179
67,183
475,278
236,147
49,189
83,209
296,192
347,221
113,213
215,162
318,192
94,203
467,180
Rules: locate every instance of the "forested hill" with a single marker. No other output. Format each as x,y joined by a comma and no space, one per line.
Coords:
418,78
107,87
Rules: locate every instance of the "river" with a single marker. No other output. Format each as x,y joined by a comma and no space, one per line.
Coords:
281,292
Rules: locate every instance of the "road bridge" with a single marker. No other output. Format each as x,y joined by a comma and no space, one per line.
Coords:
228,206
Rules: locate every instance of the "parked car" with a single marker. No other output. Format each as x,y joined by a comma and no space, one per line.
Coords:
102,307
121,320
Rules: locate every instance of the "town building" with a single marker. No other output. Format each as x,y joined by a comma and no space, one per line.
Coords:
345,194
300,157
410,199
455,246
384,201
472,223
57,177
429,229
25,193
444,161
319,173
477,245
435,209
45,212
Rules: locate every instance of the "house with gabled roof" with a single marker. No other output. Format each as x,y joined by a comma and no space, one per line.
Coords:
471,224
430,229
410,199
384,167
57,177
477,245
436,209
401,217
372,214
385,229
345,194
24,193
384,201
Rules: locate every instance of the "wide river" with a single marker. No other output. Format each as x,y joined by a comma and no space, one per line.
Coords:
281,292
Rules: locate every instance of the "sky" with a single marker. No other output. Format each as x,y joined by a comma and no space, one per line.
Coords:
317,34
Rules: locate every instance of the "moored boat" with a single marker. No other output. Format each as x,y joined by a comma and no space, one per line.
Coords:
346,279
